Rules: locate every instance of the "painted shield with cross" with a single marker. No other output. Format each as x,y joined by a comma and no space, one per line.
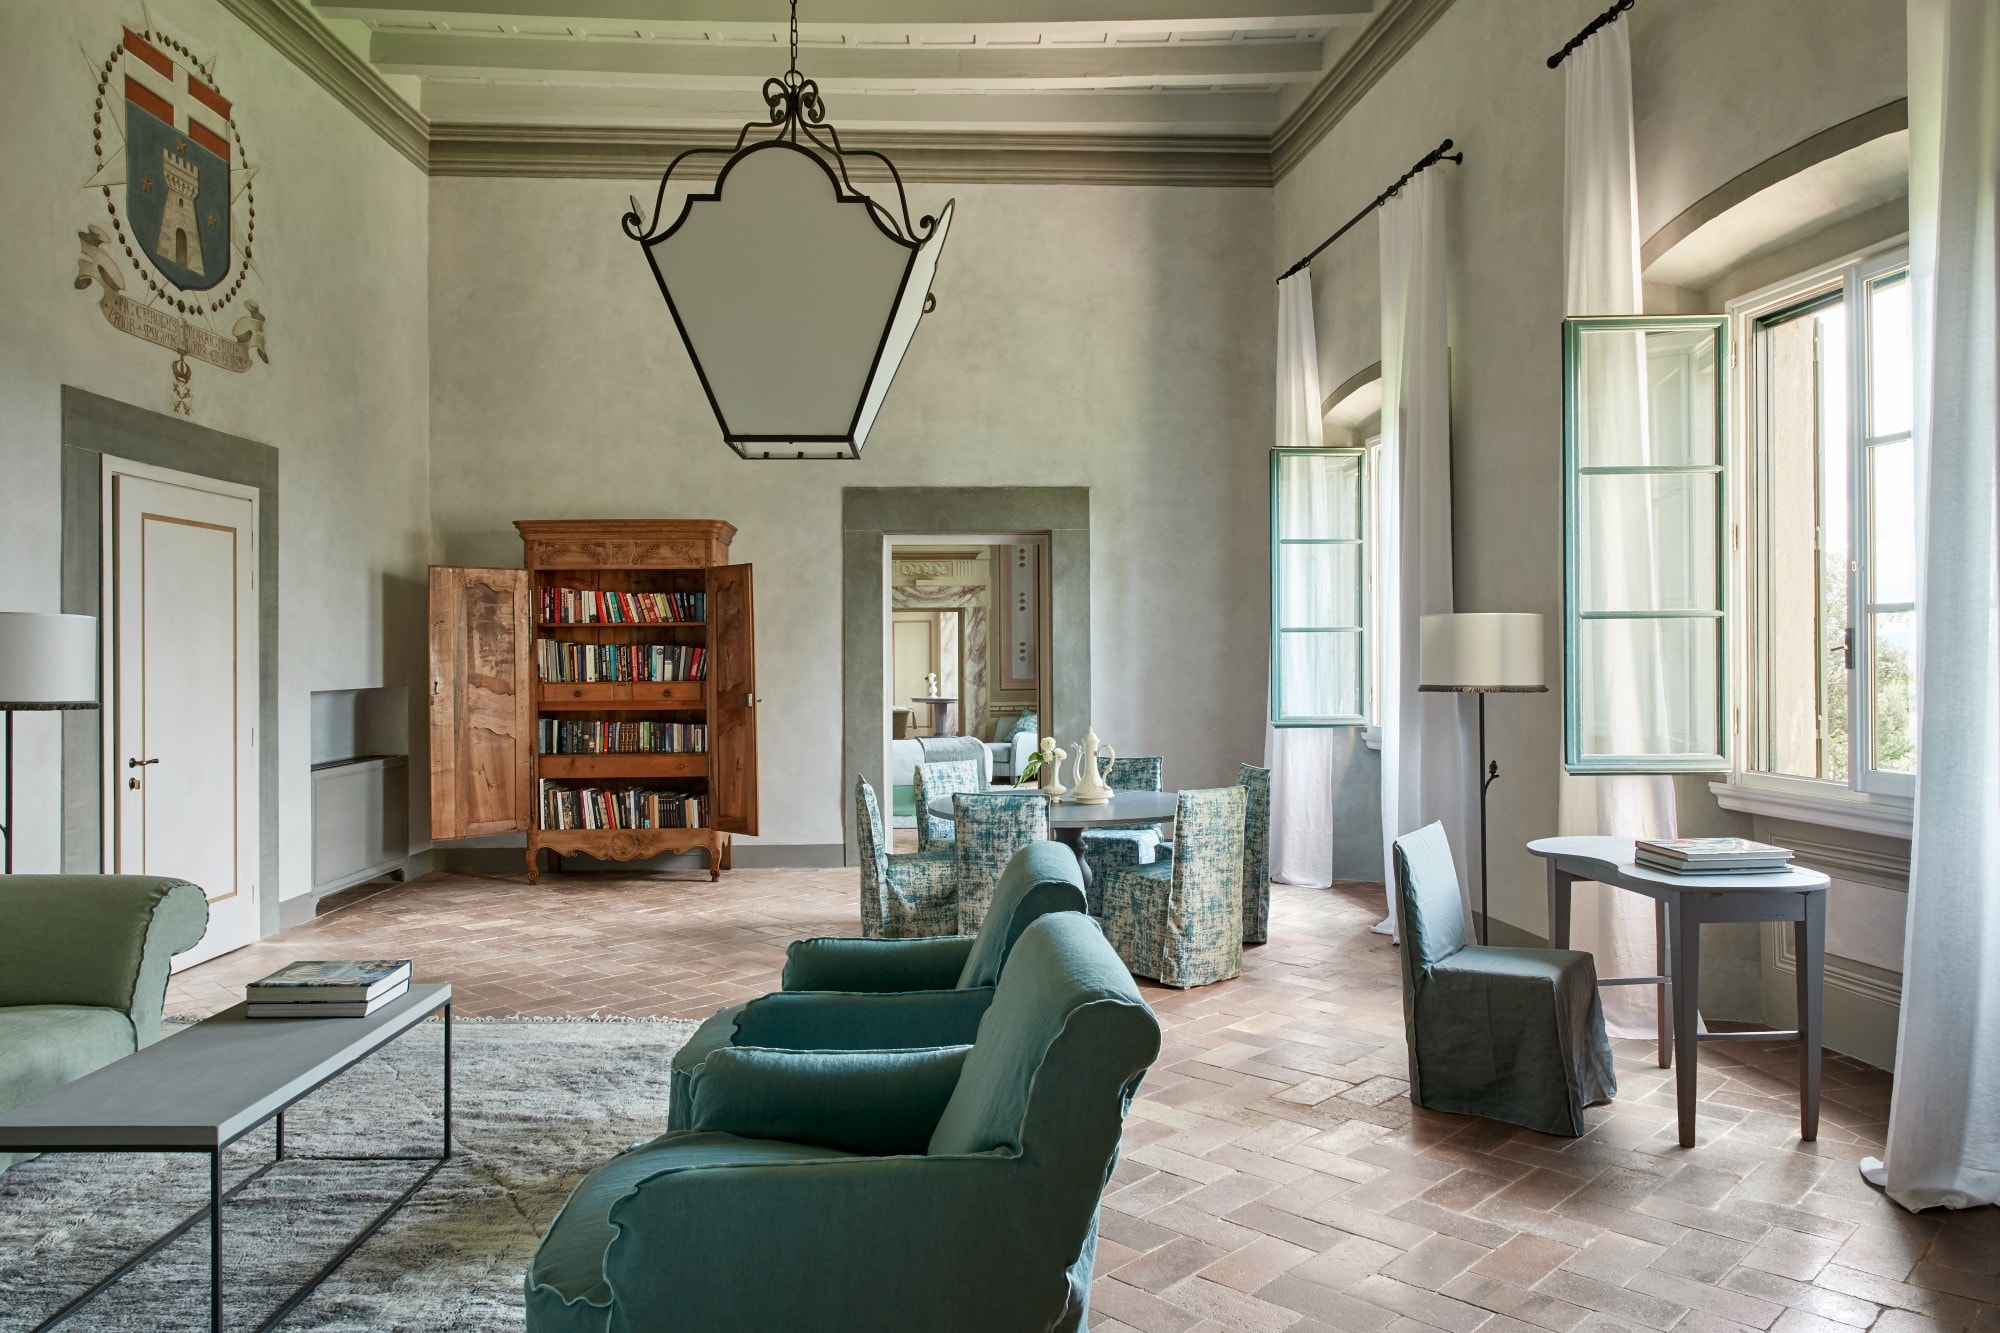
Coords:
177,158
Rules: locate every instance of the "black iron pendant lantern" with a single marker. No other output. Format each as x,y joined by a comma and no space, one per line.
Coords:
796,293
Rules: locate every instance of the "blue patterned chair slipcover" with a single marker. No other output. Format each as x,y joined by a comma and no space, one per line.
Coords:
902,897
1139,773
991,827
934,781
1510,1034
1179,919
1256,784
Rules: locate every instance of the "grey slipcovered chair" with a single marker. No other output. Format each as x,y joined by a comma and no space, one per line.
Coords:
1256,784
844,994
934,782
853,1191
1179,919
991,827
901,896
1510,1034
1137,773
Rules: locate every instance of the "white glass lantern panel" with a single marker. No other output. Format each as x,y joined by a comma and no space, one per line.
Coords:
903,327
784,294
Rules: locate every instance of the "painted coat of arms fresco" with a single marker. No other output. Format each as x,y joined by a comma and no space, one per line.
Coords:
178,210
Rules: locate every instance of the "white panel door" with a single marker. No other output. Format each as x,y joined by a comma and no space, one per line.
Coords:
184,715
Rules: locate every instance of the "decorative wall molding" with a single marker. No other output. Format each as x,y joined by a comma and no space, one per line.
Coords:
1888,865
1860,978
632,152
303,38
1394,30
625,152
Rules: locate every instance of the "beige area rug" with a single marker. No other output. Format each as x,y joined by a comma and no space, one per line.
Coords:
535,1104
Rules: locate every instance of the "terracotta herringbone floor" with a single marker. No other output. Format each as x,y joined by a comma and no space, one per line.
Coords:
1274,1174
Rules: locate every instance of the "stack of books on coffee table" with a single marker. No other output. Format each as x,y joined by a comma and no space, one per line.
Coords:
336,988
1711,856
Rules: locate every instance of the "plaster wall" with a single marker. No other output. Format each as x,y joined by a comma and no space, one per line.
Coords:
340,253
1115,338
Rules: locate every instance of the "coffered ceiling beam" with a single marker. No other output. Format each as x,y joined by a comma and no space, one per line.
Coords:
910,15
691,64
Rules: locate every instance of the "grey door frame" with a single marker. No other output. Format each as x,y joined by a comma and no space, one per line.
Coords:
869,516
94,427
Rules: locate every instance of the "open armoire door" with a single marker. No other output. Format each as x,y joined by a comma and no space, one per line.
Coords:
732,775
481,702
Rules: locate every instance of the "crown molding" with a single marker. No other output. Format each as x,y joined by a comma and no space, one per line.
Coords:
626,152
303,38
622,152
1396,27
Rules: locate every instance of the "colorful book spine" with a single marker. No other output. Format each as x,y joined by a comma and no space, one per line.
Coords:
564,808
558,661
603,606
559,736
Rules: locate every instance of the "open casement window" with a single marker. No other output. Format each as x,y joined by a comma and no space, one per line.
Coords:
1832,516
1645,623
1318,653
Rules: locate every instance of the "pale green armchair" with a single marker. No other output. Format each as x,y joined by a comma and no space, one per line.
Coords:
949,1188
83,973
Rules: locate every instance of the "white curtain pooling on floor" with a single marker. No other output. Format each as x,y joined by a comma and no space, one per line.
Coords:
1301,758
1944,1120
1601,243
1423,735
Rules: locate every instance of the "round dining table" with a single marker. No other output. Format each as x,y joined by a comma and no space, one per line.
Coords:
1069,820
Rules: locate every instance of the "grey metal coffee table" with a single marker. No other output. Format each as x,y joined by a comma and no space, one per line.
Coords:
202,1089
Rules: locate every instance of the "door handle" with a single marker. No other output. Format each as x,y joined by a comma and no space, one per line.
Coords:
140,763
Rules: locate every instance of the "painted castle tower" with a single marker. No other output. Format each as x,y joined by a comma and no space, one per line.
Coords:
180,236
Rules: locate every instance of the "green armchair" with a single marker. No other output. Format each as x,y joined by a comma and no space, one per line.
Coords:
847,994
953,1188
83,973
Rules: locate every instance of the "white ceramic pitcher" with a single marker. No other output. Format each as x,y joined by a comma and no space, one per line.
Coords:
1090,787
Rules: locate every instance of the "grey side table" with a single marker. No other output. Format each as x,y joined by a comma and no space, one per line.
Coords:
205,1087
1690,901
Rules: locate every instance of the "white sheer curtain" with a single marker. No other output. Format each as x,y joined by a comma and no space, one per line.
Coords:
1601,244
1301,758
1423,737
1944,1120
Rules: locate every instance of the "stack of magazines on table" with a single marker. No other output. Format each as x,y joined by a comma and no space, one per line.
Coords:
1711,856
328,989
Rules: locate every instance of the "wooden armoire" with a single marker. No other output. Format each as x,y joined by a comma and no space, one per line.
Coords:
601,699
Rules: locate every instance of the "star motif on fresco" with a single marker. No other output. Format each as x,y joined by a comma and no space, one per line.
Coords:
180,145
146,184
212,219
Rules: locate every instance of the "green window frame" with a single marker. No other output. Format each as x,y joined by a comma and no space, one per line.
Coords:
1646,632
1321,562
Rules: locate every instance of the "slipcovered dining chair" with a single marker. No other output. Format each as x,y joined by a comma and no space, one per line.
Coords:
854,995
935,781
990,828
901,896
1256,785
1179,919
1509,1034
1138,773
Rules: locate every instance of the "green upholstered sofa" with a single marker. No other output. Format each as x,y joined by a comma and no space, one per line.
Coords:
849,994
83,973
949,1188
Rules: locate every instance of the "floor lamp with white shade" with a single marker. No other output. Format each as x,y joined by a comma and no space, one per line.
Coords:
47,661
1481,653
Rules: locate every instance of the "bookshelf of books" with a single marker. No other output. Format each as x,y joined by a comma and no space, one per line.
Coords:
602,700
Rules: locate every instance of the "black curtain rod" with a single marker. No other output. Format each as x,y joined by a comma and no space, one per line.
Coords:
1604,20
1441,153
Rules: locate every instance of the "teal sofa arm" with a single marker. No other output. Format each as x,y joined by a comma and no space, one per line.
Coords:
873,1102
846,1245
101,941
840,1021
875,965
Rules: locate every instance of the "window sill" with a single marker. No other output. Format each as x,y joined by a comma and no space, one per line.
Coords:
1372,737
1885,816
